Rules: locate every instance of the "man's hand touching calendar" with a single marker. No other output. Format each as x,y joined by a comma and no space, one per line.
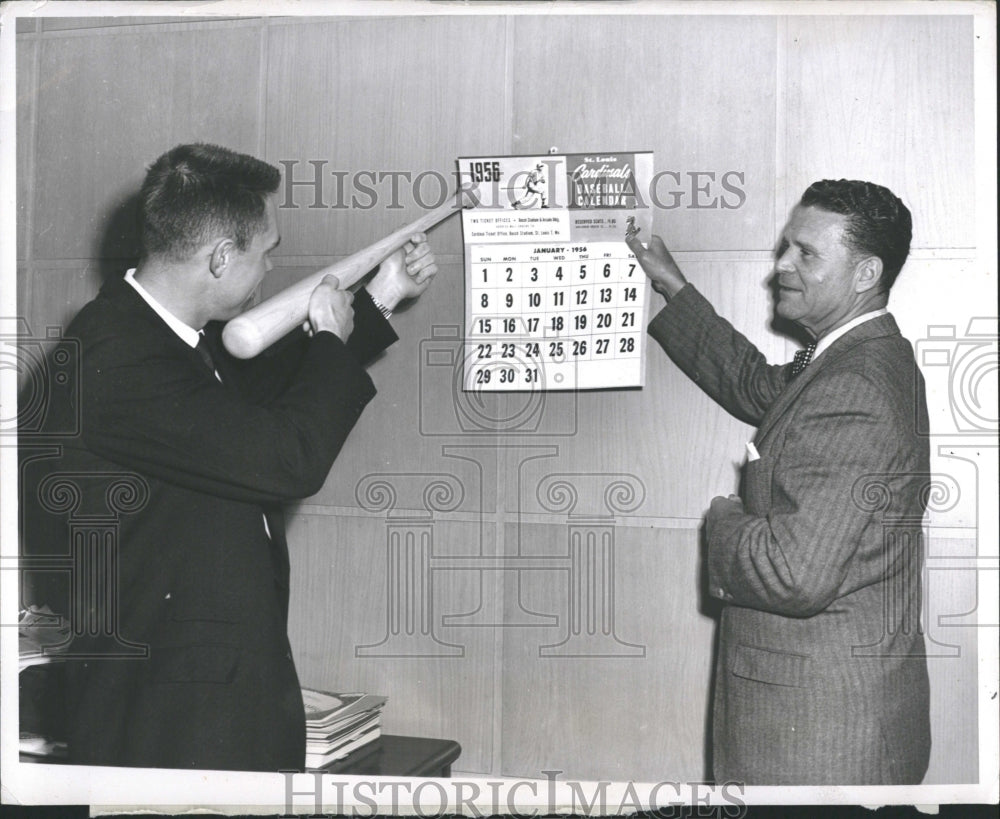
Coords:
657,263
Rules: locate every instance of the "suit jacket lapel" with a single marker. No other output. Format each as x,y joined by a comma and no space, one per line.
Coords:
125,296
876,328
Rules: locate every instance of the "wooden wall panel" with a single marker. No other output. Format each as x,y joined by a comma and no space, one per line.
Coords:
110,103
951,621
890,100
52,296
610,717
699,91
374,97
442,686
26,112
76,23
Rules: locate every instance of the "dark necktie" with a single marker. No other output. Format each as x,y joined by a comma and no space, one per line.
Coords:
802,359
204,350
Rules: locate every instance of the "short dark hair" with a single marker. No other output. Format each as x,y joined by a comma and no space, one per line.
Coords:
195,192
878,223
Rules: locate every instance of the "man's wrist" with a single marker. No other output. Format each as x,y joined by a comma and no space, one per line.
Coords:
383,309
668,290
662,290
384,295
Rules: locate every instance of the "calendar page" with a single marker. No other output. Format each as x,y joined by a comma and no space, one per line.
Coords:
554,299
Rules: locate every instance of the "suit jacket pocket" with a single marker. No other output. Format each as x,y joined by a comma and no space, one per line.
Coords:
774,667
755,488
202,663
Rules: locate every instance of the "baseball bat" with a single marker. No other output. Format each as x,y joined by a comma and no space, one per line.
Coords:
258,328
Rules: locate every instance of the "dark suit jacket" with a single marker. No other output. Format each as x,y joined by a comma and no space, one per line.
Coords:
200,583
820,675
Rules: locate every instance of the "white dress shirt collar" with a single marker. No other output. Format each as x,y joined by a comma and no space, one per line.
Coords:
833,335
187,334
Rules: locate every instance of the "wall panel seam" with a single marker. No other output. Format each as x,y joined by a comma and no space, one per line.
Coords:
29,171
263,73
499,518
183,25
308,262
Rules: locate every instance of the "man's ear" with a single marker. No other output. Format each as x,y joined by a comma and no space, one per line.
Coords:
221,257
867,274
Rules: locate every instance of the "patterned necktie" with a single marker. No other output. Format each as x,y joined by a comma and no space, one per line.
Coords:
802,359
205,352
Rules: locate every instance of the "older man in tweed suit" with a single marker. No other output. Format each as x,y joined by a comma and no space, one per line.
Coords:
821,676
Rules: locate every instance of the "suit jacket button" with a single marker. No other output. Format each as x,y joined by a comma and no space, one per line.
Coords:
720,592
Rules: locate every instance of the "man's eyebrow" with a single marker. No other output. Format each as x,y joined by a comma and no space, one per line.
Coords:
784,243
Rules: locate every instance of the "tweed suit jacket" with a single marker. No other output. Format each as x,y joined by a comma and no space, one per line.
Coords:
821,676
201,586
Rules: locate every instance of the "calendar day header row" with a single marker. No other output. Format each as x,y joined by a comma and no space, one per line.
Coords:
486,254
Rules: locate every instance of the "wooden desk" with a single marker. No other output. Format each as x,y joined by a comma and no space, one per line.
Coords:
389,755
392,755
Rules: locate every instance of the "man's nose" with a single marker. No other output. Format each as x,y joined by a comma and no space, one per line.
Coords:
784,263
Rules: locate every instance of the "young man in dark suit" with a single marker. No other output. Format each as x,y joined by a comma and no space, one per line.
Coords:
206,449
821,676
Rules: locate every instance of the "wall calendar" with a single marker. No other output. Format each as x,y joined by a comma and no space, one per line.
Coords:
554,298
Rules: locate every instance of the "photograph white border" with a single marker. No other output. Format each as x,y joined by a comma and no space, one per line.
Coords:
120,789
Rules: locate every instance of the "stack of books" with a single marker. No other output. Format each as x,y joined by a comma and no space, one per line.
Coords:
337,724
42,635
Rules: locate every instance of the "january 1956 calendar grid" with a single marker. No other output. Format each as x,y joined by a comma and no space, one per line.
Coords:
554,317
